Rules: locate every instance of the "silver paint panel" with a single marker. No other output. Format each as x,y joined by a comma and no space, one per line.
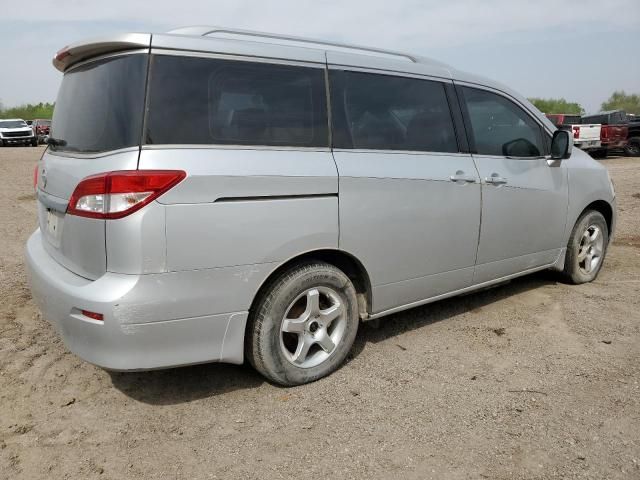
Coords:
588,182
389,65
205,232
237,47
248,232
137,243
404,219
79,244
454,293
525,216
215,173
407,291
502,268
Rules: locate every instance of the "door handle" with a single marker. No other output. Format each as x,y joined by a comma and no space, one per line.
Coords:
495,179
461,177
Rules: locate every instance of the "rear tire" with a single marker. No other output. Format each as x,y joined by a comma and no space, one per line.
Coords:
601,153
633,147
587,248
303,325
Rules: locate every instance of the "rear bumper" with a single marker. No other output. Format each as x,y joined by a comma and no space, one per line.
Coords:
587,144
141,328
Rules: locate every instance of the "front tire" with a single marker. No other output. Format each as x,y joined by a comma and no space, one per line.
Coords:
303,325
587,248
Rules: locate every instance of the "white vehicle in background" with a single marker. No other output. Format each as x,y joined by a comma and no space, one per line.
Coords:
15,131
585,136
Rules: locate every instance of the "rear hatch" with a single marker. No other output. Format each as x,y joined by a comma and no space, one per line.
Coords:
96,128
586,132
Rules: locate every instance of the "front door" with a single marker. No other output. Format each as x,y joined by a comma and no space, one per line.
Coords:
524,198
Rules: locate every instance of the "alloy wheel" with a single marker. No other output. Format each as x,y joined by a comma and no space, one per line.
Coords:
313,326
590,249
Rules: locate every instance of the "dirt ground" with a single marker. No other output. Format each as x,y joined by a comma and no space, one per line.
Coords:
534,379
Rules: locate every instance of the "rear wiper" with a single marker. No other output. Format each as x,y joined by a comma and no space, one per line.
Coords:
56,142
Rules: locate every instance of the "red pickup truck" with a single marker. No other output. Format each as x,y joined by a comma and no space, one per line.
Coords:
614,133
41,129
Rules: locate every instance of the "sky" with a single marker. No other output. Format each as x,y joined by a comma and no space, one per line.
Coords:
581,50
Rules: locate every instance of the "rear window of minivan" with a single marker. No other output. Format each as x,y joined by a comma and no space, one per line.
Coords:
100,105
207,101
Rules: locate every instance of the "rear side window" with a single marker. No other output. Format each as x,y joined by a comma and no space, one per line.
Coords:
382,112
500,127
100,106
224,102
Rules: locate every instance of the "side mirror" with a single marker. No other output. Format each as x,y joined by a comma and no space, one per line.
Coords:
561,145
520,147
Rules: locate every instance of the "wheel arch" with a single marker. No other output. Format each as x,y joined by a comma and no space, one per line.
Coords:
605,209
346,262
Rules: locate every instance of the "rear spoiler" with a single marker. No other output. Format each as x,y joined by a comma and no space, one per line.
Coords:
77,52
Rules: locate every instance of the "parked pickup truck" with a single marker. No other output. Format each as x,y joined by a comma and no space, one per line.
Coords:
41,129
585,136
614,132
16,132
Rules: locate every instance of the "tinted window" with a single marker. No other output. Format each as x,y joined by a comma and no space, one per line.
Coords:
500,127
572,119
13,124
211,101
594,119
100,105
618,117
390,113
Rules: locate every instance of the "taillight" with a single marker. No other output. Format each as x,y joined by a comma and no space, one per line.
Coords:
576,132
118,194
604,132
35,177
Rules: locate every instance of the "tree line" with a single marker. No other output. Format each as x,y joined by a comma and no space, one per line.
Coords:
619,100
28,111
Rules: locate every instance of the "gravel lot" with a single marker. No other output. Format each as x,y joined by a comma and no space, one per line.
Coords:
534,379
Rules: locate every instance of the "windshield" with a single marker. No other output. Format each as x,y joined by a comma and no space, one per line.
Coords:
100,106
13,124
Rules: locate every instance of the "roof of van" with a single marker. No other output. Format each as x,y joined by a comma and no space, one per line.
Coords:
248,43
223,40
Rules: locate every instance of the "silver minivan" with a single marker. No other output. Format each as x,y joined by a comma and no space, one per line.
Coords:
217,195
